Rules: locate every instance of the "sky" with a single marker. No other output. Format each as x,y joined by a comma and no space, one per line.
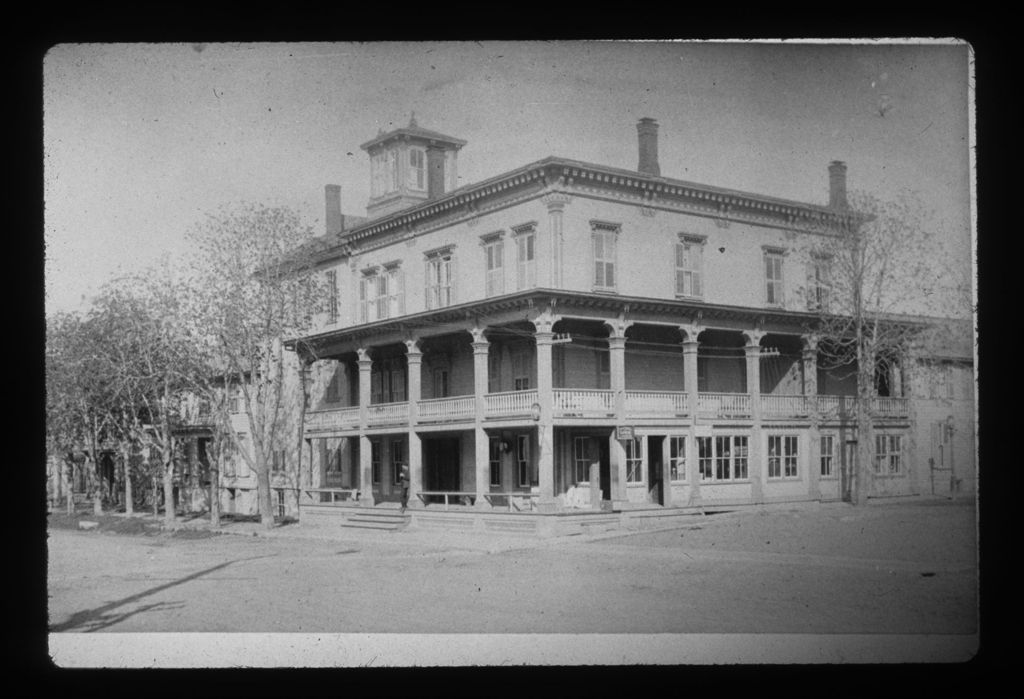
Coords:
141,140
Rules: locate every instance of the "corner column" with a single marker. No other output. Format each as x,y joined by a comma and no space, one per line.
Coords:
690,383
752,350
617,383
414,364
809,359
481,348
365,455
545,424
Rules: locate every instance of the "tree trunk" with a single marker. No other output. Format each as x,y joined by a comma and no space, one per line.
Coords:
156,496
67,472
129,504
263,492
168,480
215,495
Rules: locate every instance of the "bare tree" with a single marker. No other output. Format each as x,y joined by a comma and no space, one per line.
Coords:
256,289
875,279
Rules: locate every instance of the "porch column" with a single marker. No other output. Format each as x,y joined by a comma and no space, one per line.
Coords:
691,384
690,346
481,348
365,463
809,359
556,205
414,369
545,397
753,356
414,451
666,473
415,468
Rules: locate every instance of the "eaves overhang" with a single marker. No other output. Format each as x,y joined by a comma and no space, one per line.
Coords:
562,303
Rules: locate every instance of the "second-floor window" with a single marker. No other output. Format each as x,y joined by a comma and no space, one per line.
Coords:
603,236
387,381
689,266
332,296
773,277
820,283
494,253
381,294
440,275
526,266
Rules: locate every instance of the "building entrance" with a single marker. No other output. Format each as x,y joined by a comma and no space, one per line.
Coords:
442,464
655,469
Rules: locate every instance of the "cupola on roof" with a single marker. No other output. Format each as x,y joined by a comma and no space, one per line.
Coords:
413,132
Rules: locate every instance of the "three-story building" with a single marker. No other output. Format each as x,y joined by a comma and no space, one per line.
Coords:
569,334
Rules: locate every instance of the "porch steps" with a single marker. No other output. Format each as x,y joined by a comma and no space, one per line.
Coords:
376,519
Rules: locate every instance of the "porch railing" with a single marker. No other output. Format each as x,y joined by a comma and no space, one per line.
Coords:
335,418
783,406
890,407
510,403
843,406
724,404
656,403
387,413
582,403
447,409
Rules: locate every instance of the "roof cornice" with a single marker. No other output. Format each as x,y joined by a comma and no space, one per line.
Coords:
580,177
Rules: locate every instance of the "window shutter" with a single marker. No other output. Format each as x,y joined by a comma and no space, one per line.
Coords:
362,300
452,281
400,281
697,263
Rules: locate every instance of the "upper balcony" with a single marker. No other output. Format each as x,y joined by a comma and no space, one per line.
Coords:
568,404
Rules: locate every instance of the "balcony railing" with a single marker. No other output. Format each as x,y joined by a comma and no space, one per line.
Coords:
387,414
510,403
723,404
571,402
890,407
336,418
842,407
447,409
656,404
784,406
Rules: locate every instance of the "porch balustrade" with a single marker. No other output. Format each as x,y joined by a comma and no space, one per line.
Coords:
724,404
656,403
785,406
447,409
583,403
890,407
510,403
388,413
598,403
334,418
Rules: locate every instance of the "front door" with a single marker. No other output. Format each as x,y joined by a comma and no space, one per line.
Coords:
656,486
441,464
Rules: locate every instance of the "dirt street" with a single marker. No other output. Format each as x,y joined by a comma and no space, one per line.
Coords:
897,568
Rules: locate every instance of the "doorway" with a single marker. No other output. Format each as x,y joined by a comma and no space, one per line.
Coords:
442,465
656,482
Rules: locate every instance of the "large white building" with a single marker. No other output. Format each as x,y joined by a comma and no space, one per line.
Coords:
570,337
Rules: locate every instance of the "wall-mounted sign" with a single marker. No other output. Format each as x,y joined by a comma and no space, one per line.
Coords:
624,432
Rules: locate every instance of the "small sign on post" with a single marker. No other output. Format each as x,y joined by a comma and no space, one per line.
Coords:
624,432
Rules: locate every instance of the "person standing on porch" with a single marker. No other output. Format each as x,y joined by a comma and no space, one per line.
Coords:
403,478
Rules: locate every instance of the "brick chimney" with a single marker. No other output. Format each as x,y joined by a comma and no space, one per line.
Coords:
837,185
332,215
435,171
647,135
